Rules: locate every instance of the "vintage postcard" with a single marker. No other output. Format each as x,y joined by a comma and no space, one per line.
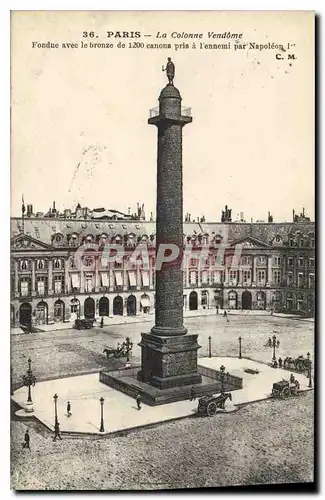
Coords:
162,250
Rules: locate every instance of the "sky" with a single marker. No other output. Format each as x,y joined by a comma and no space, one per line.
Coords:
79,130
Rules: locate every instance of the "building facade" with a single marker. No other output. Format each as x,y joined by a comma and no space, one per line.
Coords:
246,266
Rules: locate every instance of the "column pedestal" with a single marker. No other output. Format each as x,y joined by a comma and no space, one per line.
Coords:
168,362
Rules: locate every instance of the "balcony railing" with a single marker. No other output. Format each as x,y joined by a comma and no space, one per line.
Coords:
185,111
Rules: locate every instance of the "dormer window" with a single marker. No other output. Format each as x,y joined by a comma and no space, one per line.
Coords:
89,238
58,238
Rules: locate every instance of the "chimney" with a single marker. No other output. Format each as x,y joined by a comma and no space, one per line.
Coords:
303,211
129,210
293,215
29,210
53,206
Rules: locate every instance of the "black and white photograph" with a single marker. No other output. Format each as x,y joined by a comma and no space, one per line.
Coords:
162,238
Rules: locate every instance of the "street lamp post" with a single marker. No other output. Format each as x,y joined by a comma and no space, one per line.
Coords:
55,398
209,346
239,340
101,415
222,378
310,384
274,346
29,380
127,346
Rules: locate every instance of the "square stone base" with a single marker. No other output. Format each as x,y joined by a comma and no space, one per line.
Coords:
168,362
127,382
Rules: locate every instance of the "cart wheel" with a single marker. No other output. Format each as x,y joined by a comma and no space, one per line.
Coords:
211,409
285,392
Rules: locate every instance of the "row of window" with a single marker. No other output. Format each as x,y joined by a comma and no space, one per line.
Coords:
58,283
74,239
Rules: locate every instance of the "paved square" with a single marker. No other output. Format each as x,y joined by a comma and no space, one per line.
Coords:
120,410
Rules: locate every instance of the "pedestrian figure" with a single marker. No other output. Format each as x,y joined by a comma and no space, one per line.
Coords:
217,309
278,343
225,314
271,312
102,322
292,379
26,444
69,409
192,394
280,362
138,400
56,431
270,342
275,364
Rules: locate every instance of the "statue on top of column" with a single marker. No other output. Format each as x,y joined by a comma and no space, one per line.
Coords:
170,71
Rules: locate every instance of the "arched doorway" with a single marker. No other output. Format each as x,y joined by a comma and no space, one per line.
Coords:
205,299
59,309
145,303
246,300
260,300
12,315
276,302
89,308
310,305
74,309
25,314
103,306
42,313
118,306
232,300
300,302
131,305
193,301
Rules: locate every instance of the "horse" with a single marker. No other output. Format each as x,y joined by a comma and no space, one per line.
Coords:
108,352
223,398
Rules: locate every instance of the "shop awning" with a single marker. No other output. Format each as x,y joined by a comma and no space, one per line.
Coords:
145,302
105,282
118,278
145,278
132,278
75,281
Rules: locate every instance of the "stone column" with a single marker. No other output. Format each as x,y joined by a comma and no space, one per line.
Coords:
82,280
254,270
169,356
111,280
269,278
226,276
16,277
50,277
67,283
187,271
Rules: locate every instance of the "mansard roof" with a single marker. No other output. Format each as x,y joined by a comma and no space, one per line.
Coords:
44,230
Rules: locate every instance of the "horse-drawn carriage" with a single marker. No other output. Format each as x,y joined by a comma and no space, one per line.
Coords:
83,324
285,389
118,352
299,364
208,405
